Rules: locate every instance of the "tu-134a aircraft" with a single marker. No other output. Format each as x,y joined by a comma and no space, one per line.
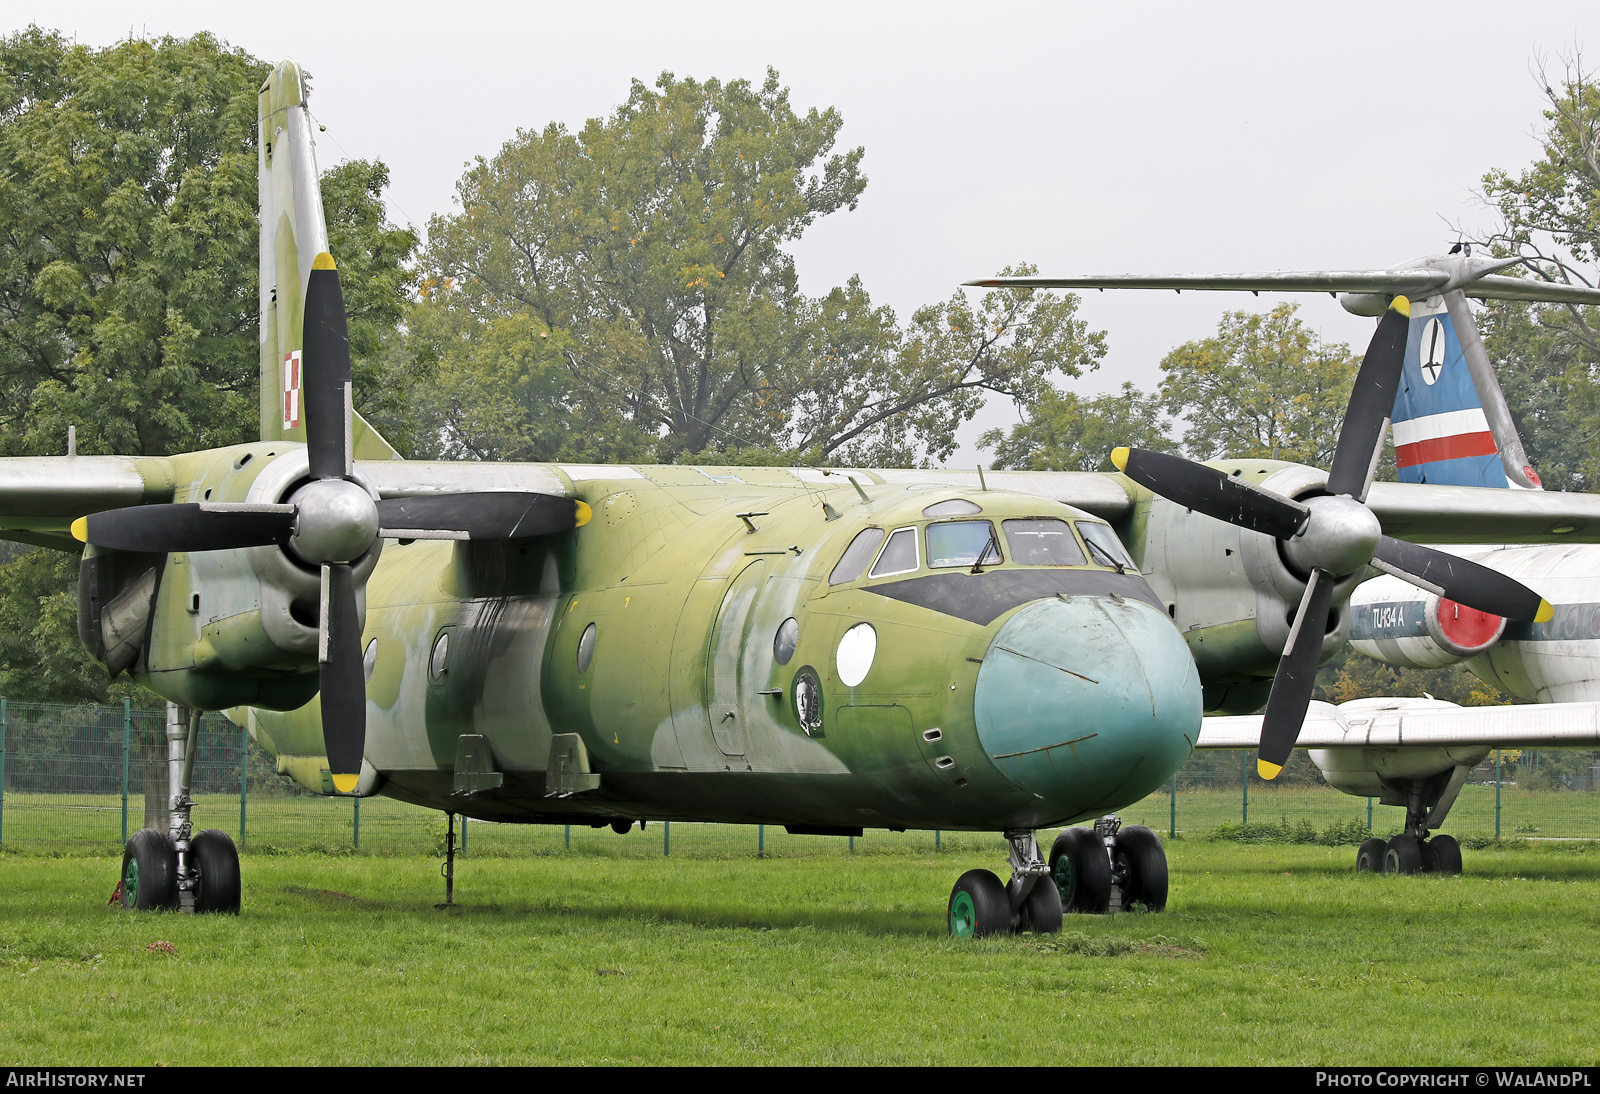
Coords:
824,649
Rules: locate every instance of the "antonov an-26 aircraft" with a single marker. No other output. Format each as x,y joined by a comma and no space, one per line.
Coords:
827,650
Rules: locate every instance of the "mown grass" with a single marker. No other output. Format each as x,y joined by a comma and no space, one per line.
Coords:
608,954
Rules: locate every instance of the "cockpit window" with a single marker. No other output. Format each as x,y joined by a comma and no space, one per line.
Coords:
899,554
1104,545
1043,543
962,543
856,556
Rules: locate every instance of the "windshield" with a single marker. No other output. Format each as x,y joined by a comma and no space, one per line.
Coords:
1043,543
962,543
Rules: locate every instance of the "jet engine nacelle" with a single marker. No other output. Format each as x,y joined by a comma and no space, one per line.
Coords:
1399,624
216,629
1239,594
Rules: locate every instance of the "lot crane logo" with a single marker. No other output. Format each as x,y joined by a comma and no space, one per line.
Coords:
1432,351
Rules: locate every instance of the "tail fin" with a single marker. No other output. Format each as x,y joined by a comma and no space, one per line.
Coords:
293,232
1451,425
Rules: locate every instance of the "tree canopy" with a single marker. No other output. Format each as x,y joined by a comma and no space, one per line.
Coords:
644,256
1547,357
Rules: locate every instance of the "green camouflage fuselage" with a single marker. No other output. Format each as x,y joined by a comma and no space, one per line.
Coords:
1019,696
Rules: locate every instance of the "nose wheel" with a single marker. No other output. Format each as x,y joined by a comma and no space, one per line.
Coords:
1109,868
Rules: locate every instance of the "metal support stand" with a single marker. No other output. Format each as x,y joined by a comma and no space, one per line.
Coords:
1027,866
183,733
449,867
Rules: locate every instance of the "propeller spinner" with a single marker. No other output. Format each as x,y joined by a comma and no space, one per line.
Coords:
331,522
1331,536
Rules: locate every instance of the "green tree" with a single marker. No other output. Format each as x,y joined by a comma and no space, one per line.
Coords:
1064,432
1264,387
648,249
1548,356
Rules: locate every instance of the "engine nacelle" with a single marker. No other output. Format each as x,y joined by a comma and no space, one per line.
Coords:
216,629
1239,594
1399,624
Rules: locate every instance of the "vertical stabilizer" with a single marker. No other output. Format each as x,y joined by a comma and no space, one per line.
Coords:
293,232
1451,425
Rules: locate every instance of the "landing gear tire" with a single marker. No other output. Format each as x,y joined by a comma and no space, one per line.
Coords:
1403,855
1446,855
1369,856
1081,871
1041,911
215,862
978,906
149,872
1139,856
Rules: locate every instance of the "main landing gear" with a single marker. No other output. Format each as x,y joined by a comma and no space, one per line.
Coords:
1414,851
1109,868
178,870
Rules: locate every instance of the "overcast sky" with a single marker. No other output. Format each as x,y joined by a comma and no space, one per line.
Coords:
1086,138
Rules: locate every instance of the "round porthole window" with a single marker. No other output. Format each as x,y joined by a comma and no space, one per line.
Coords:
440,658
856,650
586,648
784,642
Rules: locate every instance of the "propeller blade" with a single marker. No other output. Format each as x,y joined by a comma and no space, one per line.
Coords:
1296,676
342,684
487,515
191,526
1366,416
1212,492
1461,580
327,373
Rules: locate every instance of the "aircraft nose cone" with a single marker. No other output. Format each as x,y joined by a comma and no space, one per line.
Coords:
1089,702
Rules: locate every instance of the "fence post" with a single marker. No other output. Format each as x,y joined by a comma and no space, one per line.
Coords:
357,800
936,835
1369,814
761,841
244,774
1172,825
569,837
1498,777
2,771
666,839
127,744
463,833
1244,814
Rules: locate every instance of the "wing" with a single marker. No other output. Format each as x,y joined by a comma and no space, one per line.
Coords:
1422,723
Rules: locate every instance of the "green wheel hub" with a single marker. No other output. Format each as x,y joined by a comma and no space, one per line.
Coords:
130,884
1066,878
963,916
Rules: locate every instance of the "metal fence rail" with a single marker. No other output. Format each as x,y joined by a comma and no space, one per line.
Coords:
85,777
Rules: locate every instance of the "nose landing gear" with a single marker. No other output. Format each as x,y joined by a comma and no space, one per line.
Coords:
1109,868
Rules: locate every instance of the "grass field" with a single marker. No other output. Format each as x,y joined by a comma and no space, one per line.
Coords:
611,954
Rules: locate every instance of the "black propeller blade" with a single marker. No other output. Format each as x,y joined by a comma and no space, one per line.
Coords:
1331,536
487,515
327,373
202,526
342,686
1209,491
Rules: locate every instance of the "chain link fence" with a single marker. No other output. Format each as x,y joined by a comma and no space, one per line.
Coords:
81,779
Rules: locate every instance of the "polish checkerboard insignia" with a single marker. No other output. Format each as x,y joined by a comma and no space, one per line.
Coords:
291,390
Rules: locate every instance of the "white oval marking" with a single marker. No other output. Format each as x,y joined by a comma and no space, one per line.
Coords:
856,651
1431,351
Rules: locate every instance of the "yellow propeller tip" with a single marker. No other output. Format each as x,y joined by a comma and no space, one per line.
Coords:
1119,458
1547,610
80,529
584,513
323,261
345,784
1268,771
1401,305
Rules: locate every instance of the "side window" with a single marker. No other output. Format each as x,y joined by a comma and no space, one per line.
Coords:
1104,545
856,556
1043,543
899,554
